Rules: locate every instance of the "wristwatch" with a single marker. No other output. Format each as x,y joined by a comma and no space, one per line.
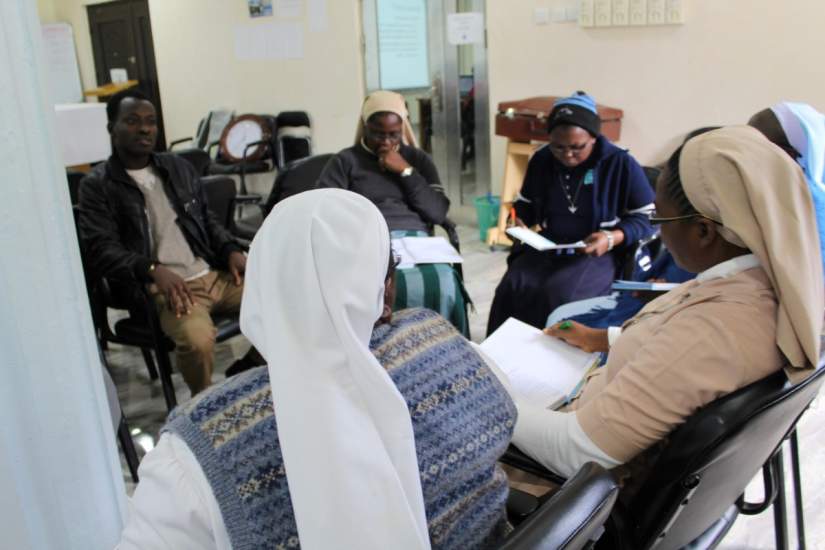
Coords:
407,172
610,239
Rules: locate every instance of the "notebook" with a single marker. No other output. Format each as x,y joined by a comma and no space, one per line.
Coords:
650,287
424,250
541,369
530,237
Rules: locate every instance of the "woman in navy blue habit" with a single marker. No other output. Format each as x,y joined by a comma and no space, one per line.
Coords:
577,187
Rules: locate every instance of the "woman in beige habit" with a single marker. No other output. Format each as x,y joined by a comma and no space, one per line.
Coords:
735,209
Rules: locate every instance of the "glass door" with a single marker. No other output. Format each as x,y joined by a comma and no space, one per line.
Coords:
434,53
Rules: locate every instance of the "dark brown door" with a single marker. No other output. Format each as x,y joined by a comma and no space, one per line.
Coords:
122,39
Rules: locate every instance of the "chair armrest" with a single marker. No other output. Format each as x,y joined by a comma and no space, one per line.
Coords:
517,459
250,198
573,517
178,141
452,235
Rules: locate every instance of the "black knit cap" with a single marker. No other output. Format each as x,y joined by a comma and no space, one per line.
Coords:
577,110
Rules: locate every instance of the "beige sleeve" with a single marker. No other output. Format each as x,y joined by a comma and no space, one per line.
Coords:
695,357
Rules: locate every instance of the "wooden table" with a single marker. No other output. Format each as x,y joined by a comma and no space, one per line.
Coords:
102,92
515,166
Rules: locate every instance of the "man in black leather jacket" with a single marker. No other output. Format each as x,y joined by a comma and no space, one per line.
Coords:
144,218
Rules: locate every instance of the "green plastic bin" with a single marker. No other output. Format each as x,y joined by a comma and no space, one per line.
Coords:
487,210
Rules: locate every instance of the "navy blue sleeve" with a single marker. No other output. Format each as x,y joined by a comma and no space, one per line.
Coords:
528,204
634,218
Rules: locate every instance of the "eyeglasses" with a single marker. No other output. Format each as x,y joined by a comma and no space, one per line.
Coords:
658,221
573,149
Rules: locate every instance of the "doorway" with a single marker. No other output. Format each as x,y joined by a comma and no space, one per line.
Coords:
122,39
407,49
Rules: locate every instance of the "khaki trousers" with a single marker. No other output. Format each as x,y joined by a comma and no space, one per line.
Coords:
194,334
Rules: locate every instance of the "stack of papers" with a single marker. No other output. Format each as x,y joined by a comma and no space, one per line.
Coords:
424,250
528,236
651,287
542,370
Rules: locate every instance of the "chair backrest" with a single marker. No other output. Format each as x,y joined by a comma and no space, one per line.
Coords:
572,517
74,177
296,177
196,157
706,463
220,194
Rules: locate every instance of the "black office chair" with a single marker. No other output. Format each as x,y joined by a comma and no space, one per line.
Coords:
296,177
692,494
141,328
293,139
223,200
119,422
571,518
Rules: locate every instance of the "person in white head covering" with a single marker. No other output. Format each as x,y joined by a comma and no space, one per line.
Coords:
735,209
386,166
327,447
799,130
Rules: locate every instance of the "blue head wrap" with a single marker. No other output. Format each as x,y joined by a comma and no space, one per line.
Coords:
579,110
804,127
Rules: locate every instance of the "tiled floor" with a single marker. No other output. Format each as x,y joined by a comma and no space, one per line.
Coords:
143,403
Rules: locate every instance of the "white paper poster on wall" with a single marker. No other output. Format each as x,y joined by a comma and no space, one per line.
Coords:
402,44
276,40
317,15
61,60
289,9
465,28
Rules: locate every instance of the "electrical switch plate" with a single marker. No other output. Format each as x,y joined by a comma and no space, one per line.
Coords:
637,12
586,16
541,16
655,12
620,12
675,12
602,13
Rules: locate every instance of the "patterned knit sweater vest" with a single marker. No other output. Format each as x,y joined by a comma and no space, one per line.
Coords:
462,421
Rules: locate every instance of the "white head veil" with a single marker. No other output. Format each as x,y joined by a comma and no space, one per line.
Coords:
313,291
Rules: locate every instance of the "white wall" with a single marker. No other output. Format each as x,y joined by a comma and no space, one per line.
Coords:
195,53
730,59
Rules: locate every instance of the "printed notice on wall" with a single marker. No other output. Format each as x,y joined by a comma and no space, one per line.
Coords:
288,9
277,40
317,15
63,74
402,44
465,28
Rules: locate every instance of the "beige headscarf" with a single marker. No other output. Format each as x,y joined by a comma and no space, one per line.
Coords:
383,101
739,178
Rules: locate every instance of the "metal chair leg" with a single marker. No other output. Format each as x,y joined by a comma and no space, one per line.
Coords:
797,490
780,508
150,363
128,446
165,369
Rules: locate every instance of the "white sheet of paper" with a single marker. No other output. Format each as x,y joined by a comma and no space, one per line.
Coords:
81,133
317,15
637,285
528,236
424,250
465,28
541,369
276,40
289,9
63,74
